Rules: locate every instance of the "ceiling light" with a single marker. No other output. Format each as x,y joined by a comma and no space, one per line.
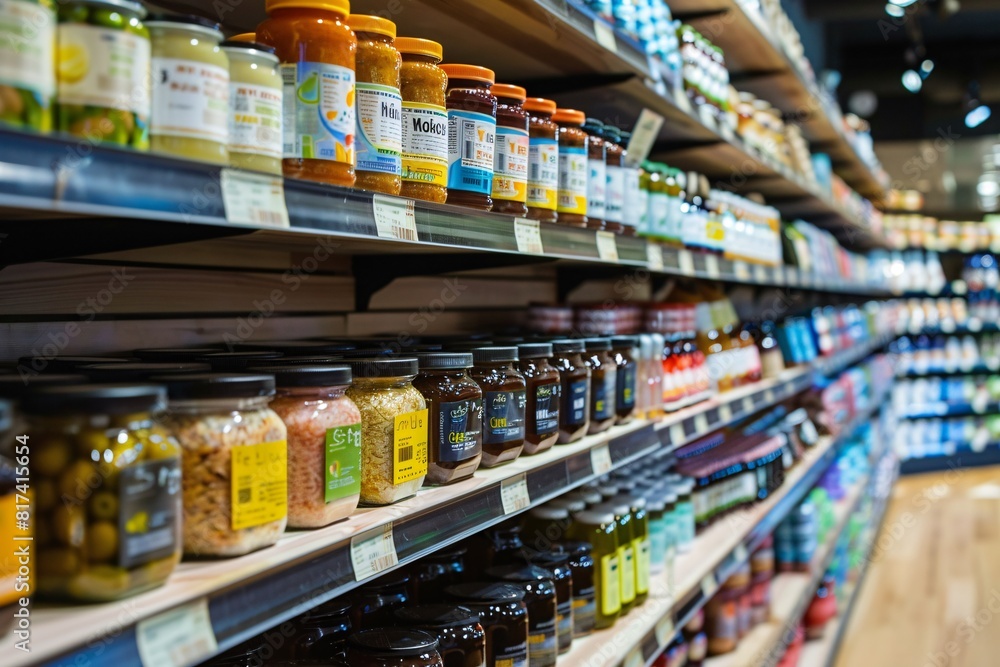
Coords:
977,116
895,11
912,81
927,66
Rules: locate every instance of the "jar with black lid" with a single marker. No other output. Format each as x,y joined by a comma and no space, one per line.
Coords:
499,545
597,174
556,561
373,605
472,127
542,412
504,403
393,647
236,362
581,566
430,574
504,617
574,378
603,384
614,204
455,416
140,372
540,597
545,525
61,365
623,349
322,632
171,354
461,638
510,156
296,348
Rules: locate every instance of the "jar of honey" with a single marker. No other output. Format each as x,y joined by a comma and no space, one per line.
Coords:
573,167
424,87
510,157
472,128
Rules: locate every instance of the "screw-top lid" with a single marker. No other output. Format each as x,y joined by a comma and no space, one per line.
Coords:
249,47
237,361
570,503
419,47
373,24
305,376
549,512
437,616
126,5
300,348
139,371
595,517
594,127
244,37
94,399
534,350
66,364
520,573
569,117
383,368
13,385
168,354
598,344
589,496
187,20
612,134
617,505
490,355
444,361
217,385
342,7
539,105
484,592
548,559
510,92
366,352
636,502
469,73
624,342
568,346
393,642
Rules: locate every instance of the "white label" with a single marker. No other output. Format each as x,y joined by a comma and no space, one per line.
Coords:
644,134
514,494
510,164
677,434
741,270
373,552
685,260
105,68
605,35
607,247
543,173
600,460
528,235
654,256
709,585
27,48
573,180
597,184
725,413
634,658
664,630
769,396
701,423
319,112
740,553
380,128
177,638
747,405
254,199
394,218
425,143
614,204
190,100
760,273
255,120
712,267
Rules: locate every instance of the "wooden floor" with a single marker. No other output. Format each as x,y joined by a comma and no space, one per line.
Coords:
932,594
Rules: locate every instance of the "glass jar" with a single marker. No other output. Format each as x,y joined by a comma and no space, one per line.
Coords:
317,51
374,604
462,640
472,127
394,429
393,647
27,49
545,525
603,384
321,632
599,528
543,385
455,414
614,202
626,552
233,447
624,350
581,566
510,155
640,543
543,160
503,615
540,598
504,403
255,107
104,532
557,562
139,372
97,98
597,174
685,515
501,545
656,508
574,390
233,362
573,167
430,574
379,105
424,87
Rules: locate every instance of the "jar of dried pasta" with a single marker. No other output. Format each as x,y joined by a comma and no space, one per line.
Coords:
510,154
543,159
394,428
234,457
424,87
573,167
255,99
378,105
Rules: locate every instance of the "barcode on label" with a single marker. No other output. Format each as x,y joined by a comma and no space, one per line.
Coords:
254,199
394,218
405,453
468,146
373,552
600,460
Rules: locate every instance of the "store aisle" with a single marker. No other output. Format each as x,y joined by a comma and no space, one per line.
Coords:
932,595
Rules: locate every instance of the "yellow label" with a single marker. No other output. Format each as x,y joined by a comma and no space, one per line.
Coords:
425,143
626,558
642,560
611,601
573,174
259,484
543,173
409,447
714,230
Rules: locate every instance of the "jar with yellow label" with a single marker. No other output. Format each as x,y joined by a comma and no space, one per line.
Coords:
424,87
574,169
27,63
255,106
190,112
599,528
543,160
510,155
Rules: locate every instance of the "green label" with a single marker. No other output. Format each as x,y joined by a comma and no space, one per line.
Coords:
343,462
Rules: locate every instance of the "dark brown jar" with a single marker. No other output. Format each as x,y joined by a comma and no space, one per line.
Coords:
322,632
510,157
581,565
393,647
430,574
504,617
540,597
372,605
557,562
543,160
574,378
542,412
573,167
622,350
603,384
597,174
614,195
455,415
472,127
504,403
461,638
500,545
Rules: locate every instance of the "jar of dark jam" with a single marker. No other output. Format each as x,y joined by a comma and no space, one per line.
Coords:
597,174
574,378
504,617
430,574
504,403
543,160
540,597
542,412
581,565
393,647
461,638
322,632
504,544
556,561
623,350
510,156
372,605
472,127
545,525
455,415
614,202
603,384
573,167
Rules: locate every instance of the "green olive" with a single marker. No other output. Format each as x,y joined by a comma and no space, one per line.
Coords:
101,541
73,13
103,582
108,18
67,523
79,481
58,562
53,456
103,505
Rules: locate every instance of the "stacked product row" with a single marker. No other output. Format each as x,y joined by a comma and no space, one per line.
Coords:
926,354
926,233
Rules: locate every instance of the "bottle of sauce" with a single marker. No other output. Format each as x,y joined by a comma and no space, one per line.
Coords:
573,167
510,156
574,390
603,382
504,403
472,128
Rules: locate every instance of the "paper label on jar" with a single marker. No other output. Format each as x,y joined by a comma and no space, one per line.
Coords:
640,547
597,185
658,225
547,409
511,655
255,120
503,418
460,424
584,612
471,140
380,128
425,143
259,484
103,67
564,619
575,403
510,164
319,112
625,394
409,447
614,203
27,48
190,100
542,643
543,174
611,576
573,172
626,560
603,396
343,462
149,504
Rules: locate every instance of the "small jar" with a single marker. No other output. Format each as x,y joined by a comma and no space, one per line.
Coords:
461,638
393,647
581,565
540,598
557,562
599,528
321,632
623,349
614,195
455,415
501,545
190,91
543,160
603,384
378,104
597,174
472,128
255,107
373,605
234,447
504,403
510,155
27,49
503,615
424,87
430,574
542,413
574,378
394,428
99,459
573,167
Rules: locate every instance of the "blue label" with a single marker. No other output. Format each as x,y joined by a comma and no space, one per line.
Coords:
471,143
546,409
460,424
504,413
575,403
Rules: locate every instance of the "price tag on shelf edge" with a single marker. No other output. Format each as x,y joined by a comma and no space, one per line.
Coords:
709,585
178,637
712,267
748,405
373,552
514,494
605,35
600,460
677,434
769,396
740,553
634,658
654,256
644,134
760,273
528,235
701,423
394,218
253,199
725,413
741,270
664,630
607,247
686,261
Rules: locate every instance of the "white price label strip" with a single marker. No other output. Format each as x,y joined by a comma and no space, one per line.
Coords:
760,273
600,460
740,553
725,413
686,261
177,638
607,247
528,235
254,199
709,585
373,552
605,35
747,405
664,630
514,494
741,270
654,255
677,434
769,396
634,658
701,423
712,267
394,218
644,135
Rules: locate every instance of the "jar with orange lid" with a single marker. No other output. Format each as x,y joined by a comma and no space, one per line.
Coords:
424,87
378,105
614,202
472,127
317,52
597,174
510,157
573,167
543,159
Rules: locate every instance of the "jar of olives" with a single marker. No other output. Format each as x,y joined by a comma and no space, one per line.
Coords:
27,63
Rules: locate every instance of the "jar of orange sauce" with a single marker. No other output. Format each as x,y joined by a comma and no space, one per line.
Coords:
424,87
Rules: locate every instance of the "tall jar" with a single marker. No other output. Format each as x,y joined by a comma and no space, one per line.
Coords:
573,167
543,160
581,566
504,403
503,615
424,87
97,98
556,561
614,203
540,597
255,107
394,428
455,415
640,543
317,52
234,455
597,174
472,128
574,389
510,155
542,413
624,350
600,529
27,51
379,105
603,384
